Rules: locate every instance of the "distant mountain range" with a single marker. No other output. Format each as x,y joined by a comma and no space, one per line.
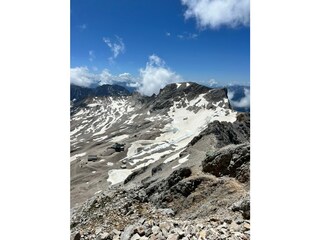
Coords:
77,93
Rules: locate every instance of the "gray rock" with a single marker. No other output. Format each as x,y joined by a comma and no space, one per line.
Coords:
222,162
178,231
243,206
148,232
174,236
164,225
104,236
116,232
98,230
127,232
135,237
166,211
155,229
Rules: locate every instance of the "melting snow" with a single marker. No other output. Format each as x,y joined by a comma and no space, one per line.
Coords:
74,157
119,138
118,175
181,160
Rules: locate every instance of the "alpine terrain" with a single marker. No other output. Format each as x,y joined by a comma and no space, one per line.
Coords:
175,165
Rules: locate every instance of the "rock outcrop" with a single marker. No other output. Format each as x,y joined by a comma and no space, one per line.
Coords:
230,161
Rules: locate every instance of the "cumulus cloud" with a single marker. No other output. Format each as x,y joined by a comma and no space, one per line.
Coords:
243,102
217,13
116,46
155,76
152,78
105,77
81,76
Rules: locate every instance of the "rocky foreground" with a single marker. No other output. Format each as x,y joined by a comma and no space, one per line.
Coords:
208,201
189,180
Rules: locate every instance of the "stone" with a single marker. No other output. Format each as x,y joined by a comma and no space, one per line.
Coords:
174,236
164,225
104,236
98,230
246,226
179,231
127,232
166,211
148,232
235,227
141,221
164,232
155,229
203,235
135,237
140,230
77,236
116,232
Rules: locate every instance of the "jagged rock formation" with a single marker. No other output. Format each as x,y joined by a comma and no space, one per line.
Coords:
232,161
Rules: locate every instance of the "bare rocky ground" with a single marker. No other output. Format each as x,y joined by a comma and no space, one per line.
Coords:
182,180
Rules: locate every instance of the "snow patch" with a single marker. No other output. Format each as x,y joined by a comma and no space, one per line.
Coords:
118,175
119,138
74,157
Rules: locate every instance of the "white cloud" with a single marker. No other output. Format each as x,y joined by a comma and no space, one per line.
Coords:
230,95
125,76
116,47
243,102
187,36
91,55
105,77
217,13
212,82
156,76
82,77
152,78
168,34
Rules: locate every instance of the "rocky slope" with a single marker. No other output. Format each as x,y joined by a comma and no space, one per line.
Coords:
184,172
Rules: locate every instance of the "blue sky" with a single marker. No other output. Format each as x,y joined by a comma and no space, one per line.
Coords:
194,42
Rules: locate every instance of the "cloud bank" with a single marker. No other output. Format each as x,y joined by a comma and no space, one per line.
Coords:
243,102
81,76
152,78
216,13
155,76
